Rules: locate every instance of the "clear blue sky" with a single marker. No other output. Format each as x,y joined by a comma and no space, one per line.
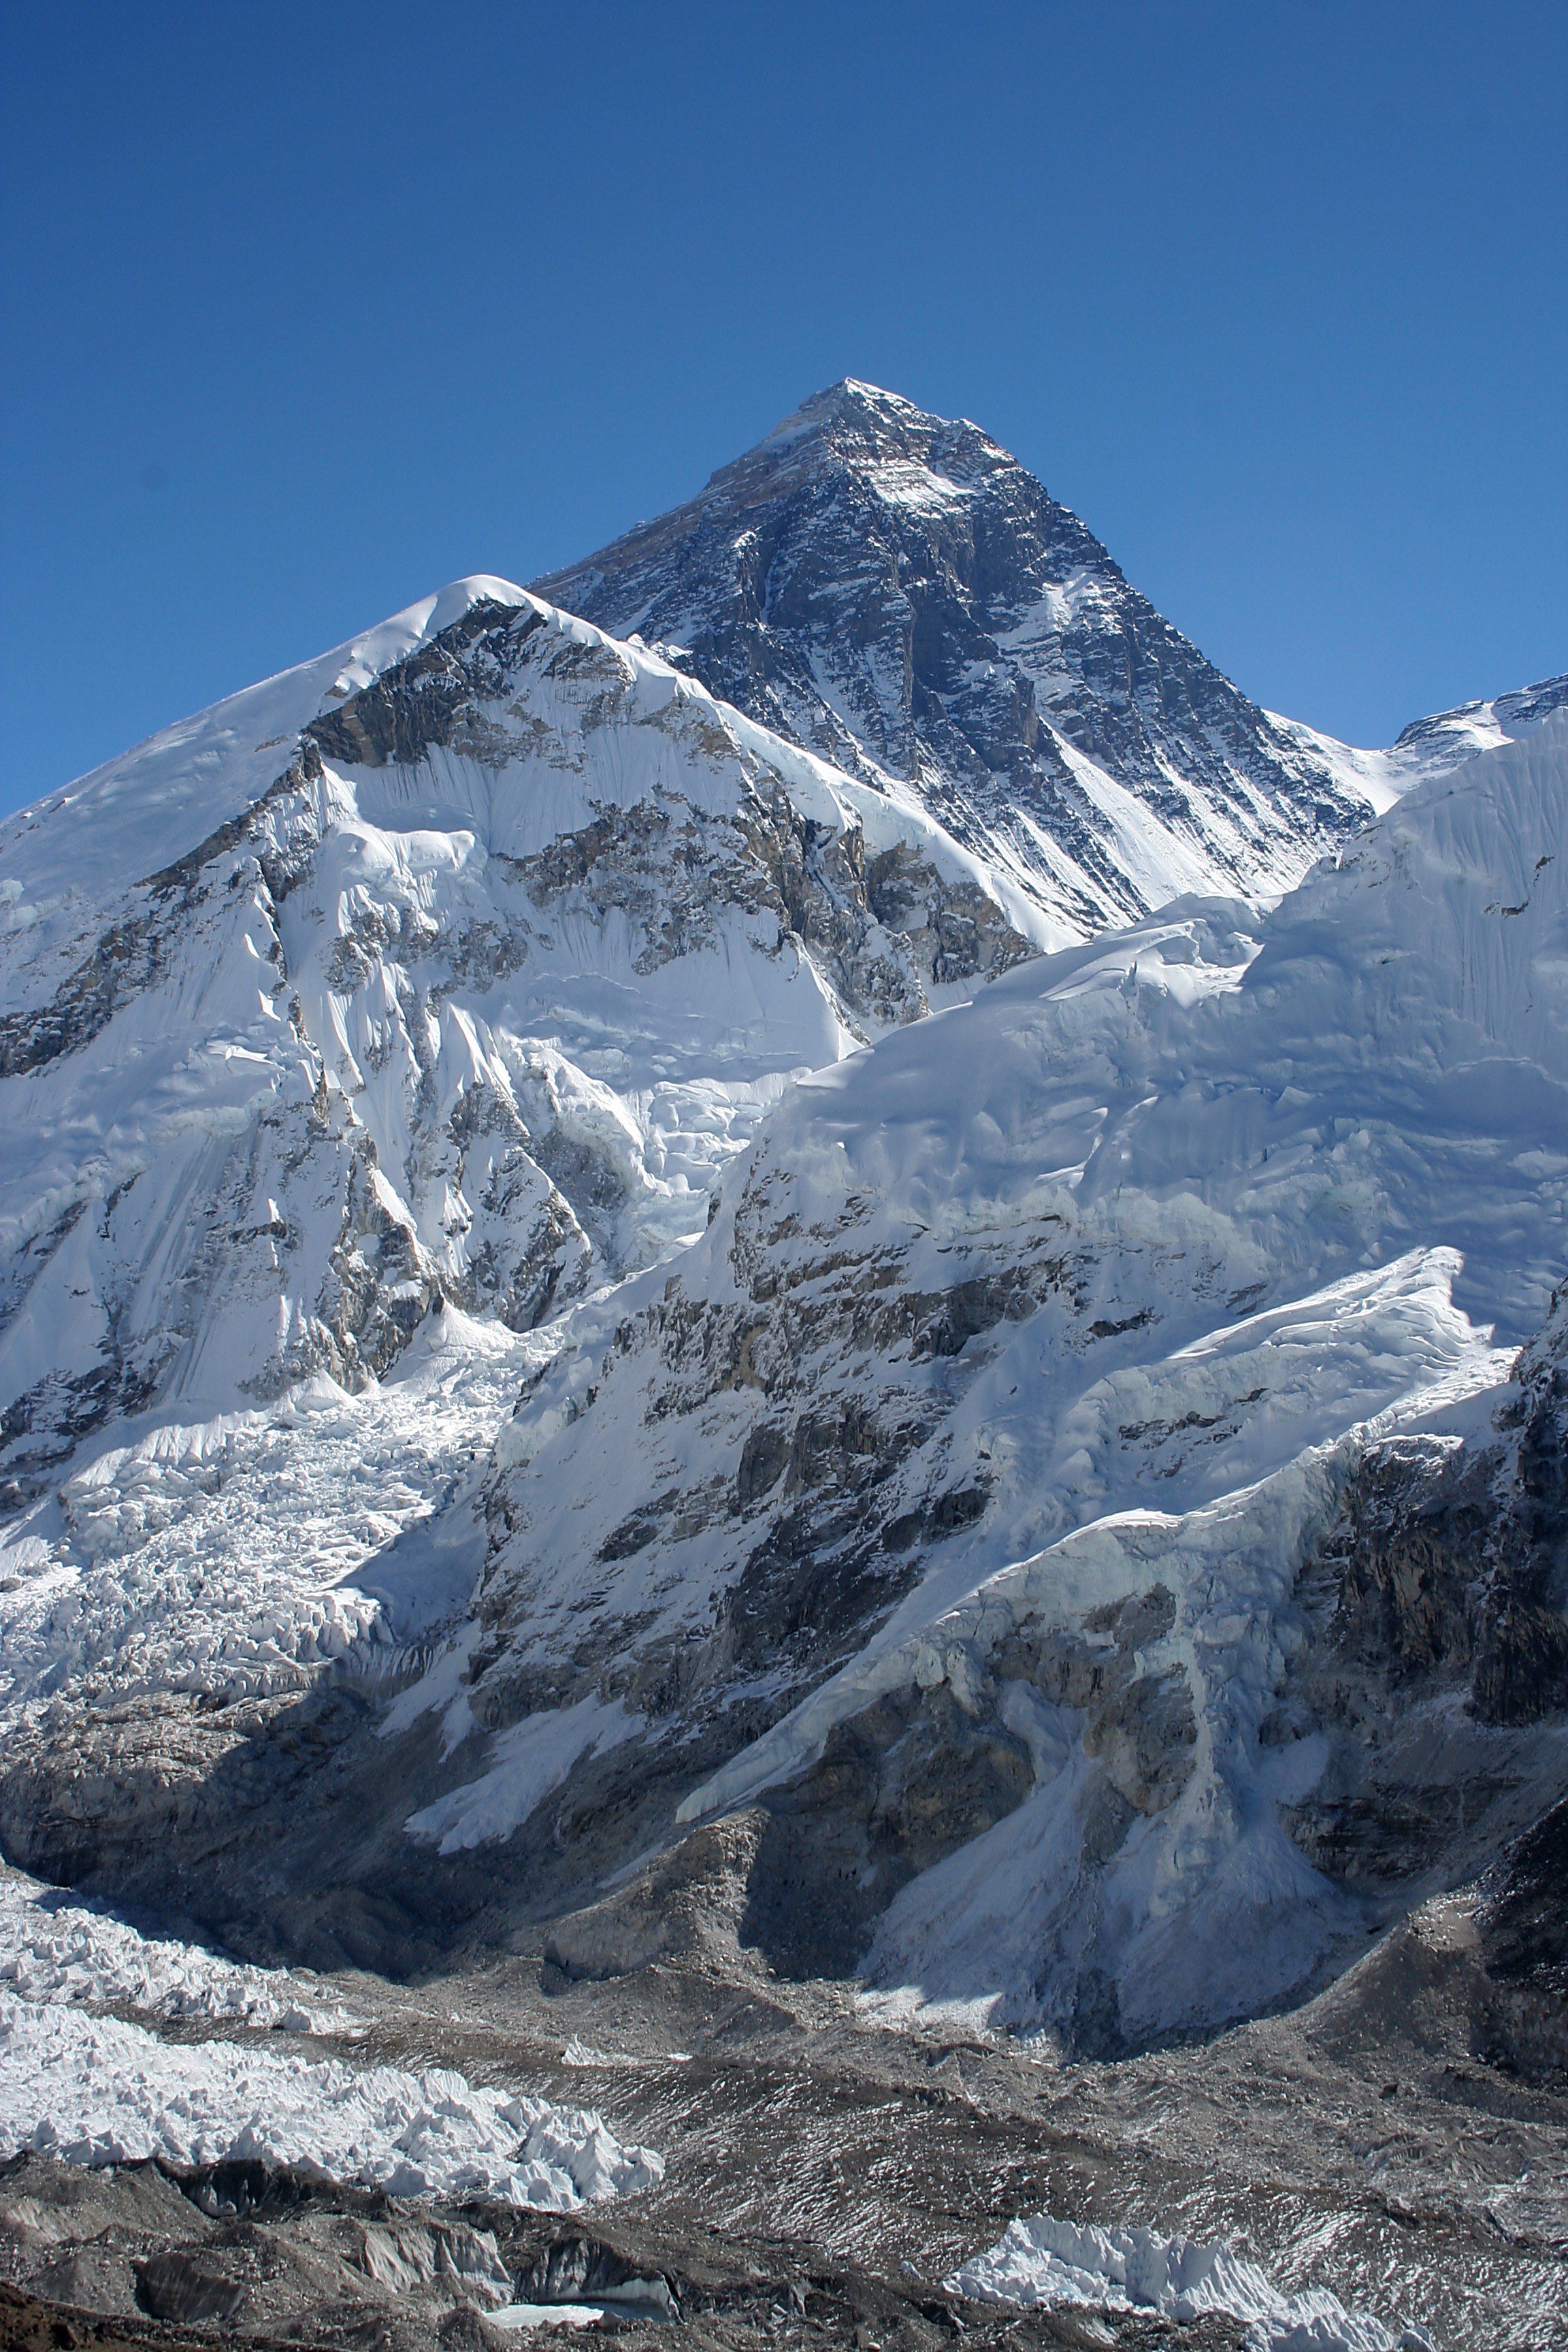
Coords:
311,308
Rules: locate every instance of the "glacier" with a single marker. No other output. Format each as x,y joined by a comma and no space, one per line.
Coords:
1043,1304
108,2092
1045,2262
790,1266
99,2090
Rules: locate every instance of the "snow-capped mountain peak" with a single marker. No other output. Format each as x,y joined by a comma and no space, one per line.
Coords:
1430,746
895,590
161,800
494,1257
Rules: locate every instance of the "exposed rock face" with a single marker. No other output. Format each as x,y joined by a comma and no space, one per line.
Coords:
895,590
1010,1535
1440,1640
476,995
1523,1923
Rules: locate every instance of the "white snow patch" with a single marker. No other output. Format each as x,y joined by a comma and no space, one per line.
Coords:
1044,2262
530,1759
578,2053
166,794
55,1949
547,2314
93,2091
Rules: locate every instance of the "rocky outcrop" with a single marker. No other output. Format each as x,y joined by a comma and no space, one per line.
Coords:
1437,1600
1522,1919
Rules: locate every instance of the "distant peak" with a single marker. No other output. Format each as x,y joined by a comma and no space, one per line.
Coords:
1490,721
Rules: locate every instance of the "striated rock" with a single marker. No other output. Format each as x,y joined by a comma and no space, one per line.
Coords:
1436,1604
184,2287
1523,1936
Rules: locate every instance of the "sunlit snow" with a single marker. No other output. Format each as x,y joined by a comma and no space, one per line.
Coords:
1045,2263
93,2090
54,1949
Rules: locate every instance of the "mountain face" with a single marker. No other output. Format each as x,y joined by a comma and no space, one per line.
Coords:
449,967
803,1322
1069,1543
1433,746
1022,1513
895,592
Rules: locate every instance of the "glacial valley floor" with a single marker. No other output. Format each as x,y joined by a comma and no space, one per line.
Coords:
825,2175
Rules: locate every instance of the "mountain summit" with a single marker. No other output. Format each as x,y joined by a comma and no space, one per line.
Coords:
897,593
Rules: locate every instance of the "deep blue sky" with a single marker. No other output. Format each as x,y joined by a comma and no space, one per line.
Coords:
311,308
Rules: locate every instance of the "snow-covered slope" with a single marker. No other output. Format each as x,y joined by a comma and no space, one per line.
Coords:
962,1531
452,965
1433,746
948,1502
894,590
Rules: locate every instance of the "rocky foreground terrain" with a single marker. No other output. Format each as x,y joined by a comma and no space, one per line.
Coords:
793,1362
